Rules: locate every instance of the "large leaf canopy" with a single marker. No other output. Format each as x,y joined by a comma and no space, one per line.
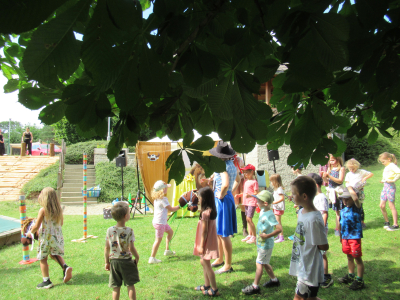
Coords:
199,65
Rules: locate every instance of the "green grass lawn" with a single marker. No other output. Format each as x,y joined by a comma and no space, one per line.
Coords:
176,277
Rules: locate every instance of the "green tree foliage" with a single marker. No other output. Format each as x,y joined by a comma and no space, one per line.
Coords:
197,64
67,131
16,130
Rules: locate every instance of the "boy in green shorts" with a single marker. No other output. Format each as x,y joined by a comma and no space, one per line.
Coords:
118,253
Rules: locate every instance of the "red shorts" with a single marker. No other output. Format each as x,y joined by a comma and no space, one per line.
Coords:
278,212
352,247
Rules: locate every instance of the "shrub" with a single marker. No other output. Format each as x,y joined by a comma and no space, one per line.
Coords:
368,154
109,178
46,177
75,152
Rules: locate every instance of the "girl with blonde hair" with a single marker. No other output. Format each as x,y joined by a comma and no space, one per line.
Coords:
51,241
334,176
391,174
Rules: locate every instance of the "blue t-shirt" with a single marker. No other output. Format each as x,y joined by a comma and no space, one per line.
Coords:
232,172
266,223
350,221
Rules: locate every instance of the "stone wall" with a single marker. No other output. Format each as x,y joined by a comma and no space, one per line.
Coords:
259,158
100,155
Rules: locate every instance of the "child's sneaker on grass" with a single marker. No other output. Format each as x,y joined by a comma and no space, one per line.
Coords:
386,225
357,285
393,228
153,260
251,290
280,240
67,274
271,284
251,240
291,237
328,281
246,238
346,279
337,233
45,284
169,253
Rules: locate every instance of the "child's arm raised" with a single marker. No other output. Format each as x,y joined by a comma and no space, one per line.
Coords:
134,251
107,256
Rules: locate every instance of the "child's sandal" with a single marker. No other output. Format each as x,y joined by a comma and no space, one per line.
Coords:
213,293
205,288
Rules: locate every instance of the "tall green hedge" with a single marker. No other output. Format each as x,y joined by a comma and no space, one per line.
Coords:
45,178
75,152
368,154
109,178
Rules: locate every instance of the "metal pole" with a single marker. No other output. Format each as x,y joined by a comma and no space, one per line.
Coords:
108,131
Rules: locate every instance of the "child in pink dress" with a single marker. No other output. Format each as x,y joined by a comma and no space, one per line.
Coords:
206,243
249,202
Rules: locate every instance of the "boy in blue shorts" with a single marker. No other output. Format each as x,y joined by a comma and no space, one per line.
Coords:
265,242
118,253
310,237
350,236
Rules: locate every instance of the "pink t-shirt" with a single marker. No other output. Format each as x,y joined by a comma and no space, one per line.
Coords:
250,188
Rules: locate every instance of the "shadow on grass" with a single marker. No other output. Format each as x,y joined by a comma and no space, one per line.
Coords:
90,278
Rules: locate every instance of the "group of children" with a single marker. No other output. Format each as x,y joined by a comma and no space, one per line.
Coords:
308,261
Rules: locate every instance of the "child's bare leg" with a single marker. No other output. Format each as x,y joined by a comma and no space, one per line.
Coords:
156,244
210,274
227,246
59,259
242,208
131,292
270,271
360,266
206,278
353,194
44,267
382,206
252,227
116,292
259,272
220,260
169,238
337,219
350,263
279,220
394,212
325,259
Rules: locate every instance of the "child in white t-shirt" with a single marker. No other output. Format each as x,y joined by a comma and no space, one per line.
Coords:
279,202
310,237
355,181
321,203
161,209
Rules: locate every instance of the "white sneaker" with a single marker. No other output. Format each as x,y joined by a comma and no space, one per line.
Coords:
169,252
153,260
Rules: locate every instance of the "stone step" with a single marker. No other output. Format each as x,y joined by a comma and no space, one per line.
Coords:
80,181
78,177
78,203
78,184
71,194
77,199
68,167
73,189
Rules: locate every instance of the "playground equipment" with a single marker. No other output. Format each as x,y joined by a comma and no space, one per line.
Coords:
85,236
26,260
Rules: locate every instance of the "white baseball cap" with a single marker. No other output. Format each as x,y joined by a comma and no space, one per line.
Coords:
159,185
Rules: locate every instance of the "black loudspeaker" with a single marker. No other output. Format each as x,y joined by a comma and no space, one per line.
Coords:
273,155
121,159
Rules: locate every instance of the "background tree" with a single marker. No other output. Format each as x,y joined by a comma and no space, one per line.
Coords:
16,130
197,64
